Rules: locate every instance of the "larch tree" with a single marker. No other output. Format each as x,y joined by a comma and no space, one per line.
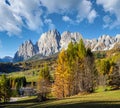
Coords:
75,71
43,84
58,87
81,53
104,71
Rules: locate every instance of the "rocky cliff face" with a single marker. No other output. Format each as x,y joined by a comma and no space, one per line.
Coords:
68,37
48,43
52,42
104,42
25,51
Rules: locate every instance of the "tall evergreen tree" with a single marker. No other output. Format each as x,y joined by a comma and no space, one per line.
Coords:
59,84
75,71
5,90
81,49
43,84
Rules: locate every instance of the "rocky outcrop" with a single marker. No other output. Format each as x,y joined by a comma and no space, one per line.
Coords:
52,42
68,37
104,42
48,43
25,51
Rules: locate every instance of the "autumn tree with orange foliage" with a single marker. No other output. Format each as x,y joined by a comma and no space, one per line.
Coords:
75,71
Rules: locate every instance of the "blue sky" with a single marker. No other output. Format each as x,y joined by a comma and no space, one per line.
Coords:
22,20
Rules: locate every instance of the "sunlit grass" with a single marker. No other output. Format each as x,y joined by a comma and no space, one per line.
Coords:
27,98
108,99
103,88
31,75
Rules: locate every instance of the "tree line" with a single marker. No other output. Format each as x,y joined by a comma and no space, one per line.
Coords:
10,86
78,70
75,71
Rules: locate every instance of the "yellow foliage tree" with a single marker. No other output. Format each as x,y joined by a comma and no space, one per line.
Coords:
62,84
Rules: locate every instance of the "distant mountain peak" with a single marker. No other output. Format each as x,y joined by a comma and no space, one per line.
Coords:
25,51
48,43
104,42
52,42
67,37
6,59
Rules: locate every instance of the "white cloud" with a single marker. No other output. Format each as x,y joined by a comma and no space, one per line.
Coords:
107,20
0,44
7,20
49,23
30,13
113,7
86,11
82,7
67,19
91,16
59,6
20,13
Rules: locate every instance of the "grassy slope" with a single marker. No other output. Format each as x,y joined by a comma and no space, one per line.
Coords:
109,99
34,67
28,74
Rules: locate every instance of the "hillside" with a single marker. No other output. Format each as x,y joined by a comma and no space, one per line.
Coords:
37,61
34,62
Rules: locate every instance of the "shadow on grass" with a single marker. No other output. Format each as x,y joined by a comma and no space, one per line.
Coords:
97,104
19,104
34,104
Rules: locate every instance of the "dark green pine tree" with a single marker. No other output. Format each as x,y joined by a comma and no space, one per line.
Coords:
81,49
5,90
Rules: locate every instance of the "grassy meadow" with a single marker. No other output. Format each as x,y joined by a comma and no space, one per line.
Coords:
31,75
108,99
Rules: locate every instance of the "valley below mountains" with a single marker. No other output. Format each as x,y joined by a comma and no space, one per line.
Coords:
52,42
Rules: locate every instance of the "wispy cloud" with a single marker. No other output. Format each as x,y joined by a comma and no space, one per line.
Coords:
91,16
85,11
18,14
113,8
49,23
0,44
67,19
83,8
107,21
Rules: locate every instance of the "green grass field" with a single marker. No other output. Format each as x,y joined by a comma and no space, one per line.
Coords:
31,75
109,99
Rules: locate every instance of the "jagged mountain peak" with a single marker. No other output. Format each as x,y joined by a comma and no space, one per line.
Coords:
27,41
50,34
53,31
48,43
52,42
67,37
25,51
117,36
104,42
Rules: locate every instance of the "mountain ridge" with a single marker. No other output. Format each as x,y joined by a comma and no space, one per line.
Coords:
52,42
6,59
